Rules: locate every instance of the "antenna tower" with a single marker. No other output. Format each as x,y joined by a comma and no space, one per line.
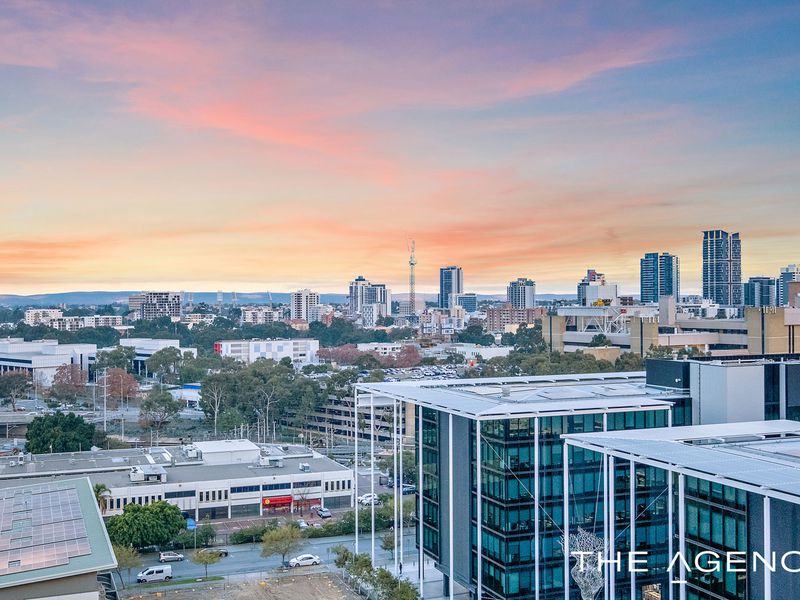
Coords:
412,280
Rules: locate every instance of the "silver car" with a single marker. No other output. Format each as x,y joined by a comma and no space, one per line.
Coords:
304,560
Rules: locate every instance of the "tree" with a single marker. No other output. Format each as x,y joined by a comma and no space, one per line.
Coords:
69,382
145,525
59,432
212,396
120,357
281,542
14,385
659,352
628,361
166,363
121,385
408,357
127,558
375,376
600,340
409,466
387,543
101,495
157,409
368,360
474,334
205,558
528,339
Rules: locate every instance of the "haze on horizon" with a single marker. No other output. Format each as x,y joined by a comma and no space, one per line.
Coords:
249,146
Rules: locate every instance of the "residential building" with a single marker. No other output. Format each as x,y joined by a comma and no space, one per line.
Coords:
491,472
371,314
499,318
467,300
192,319
788,274
441,324
709,509
144,348
521,294
660,275
41,358
356,295
155,305
258,315
42,316
361,292
302,301
54,542
206,480
321,313
54,320
761,291
381,348
722,267
299,351
451,282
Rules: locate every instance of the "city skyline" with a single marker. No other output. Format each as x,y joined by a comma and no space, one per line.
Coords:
248,147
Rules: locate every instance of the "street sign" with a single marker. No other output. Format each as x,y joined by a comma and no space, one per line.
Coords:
191,524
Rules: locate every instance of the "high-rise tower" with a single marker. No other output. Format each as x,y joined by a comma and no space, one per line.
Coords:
412,281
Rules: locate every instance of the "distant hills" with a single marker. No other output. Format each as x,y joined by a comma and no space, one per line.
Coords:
105,297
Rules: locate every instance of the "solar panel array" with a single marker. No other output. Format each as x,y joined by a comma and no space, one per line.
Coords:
40,527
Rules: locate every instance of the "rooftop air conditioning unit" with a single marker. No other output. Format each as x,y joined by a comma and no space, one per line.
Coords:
305,467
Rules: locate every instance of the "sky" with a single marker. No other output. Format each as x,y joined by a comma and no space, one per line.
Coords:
257,146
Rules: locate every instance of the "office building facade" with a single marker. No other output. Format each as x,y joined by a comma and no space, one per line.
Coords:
451,282
466,300
499,443
788,274
521,294
761,291
659,276
722,267
700,504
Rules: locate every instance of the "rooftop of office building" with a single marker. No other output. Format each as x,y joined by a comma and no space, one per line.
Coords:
51,530
760,456
520,397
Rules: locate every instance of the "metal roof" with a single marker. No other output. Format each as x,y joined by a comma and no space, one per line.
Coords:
521,397
760,456
51,530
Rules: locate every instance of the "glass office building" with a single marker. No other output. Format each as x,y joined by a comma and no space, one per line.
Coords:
702,496
512,428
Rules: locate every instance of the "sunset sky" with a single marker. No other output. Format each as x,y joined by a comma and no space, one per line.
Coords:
273,145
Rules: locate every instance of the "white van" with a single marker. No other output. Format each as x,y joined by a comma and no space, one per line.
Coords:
159,573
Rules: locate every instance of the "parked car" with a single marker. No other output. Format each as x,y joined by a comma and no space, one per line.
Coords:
367,498
302,524
159,573
170,557
304,560
409,489
324,513
221,552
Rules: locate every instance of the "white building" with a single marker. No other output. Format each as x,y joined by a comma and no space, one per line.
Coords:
302,301
258,315
154,305
320,313
223,479
371,314
192,319
381,348
145,348
41,359
42,316
299,351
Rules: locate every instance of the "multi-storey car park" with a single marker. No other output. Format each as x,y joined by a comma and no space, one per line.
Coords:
514,502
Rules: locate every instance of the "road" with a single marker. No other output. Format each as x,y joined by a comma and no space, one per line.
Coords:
246,558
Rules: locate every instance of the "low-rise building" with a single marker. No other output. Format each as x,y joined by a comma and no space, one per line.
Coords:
194,318
54,544
41,358
258,315
300,351
223,479
381,348
41,316
145,348
498,318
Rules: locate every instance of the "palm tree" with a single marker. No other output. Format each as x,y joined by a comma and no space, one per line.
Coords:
101,495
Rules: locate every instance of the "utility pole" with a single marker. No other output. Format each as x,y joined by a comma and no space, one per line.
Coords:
412,281
105,398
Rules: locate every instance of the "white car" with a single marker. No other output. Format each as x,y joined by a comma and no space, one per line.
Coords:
169,557
367,498
304,560
302,524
